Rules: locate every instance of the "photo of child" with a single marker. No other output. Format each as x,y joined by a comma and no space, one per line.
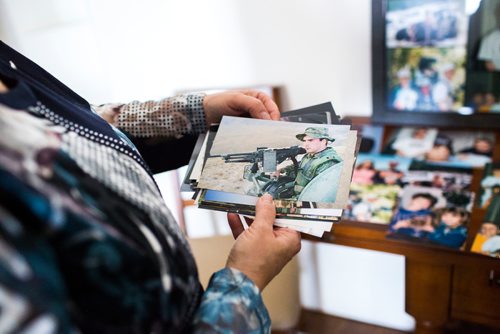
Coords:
487,240
451,227
415,218
428,214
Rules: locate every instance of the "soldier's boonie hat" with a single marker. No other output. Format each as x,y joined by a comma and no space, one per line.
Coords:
321,133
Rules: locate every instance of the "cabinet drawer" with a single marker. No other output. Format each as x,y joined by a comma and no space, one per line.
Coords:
476,293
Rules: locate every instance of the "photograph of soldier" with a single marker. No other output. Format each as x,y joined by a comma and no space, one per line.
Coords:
318,158
291,161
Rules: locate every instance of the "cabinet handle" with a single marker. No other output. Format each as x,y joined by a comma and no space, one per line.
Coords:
493,281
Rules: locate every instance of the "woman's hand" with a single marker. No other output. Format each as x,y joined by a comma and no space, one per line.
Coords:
402,224
239,103
261,251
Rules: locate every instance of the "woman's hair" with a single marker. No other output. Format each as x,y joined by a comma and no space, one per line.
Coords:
464,214
442,140
427,196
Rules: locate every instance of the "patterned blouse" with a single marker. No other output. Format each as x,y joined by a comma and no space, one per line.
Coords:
86,241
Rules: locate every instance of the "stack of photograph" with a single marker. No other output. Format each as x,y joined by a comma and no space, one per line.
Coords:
304,161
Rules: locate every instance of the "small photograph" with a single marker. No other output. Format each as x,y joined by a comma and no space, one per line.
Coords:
379,169
413,143
414,23
427,214
446,181
487,240
462,148
426,79
372,203
290,161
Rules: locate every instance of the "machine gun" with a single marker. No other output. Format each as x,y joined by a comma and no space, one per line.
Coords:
266,160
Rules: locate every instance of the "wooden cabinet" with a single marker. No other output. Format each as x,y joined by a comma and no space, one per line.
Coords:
442,285
475,295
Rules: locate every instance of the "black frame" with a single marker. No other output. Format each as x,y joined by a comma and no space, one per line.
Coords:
382,114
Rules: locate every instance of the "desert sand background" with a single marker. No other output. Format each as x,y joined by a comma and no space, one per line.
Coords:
228,177
241,135
244,135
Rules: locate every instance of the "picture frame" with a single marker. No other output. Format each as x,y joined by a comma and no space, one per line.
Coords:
403,50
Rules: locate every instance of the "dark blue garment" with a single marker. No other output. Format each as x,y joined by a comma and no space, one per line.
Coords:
87,243
48,90
450,237
404,214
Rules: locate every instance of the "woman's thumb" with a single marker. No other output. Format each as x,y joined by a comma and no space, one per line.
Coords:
265,211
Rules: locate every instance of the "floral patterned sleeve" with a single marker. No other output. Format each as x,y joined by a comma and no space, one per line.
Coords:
232,303
169,117
32,296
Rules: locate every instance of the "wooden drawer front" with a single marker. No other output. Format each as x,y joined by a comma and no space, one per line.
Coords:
476,293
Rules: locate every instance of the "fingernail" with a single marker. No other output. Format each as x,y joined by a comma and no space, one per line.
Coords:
267,198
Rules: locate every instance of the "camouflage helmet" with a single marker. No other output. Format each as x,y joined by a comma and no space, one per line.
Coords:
313,132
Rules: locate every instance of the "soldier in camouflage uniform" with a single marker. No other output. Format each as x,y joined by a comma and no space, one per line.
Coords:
318,158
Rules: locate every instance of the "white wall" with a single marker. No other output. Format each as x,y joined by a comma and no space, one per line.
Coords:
319,50
123,49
